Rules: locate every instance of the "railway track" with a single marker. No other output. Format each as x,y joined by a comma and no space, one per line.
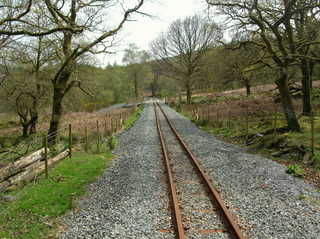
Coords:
198,210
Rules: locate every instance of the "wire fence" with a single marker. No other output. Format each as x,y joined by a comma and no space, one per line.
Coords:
44,151
80,133
246,118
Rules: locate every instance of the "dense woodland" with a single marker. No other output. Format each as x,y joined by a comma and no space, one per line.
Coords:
49,50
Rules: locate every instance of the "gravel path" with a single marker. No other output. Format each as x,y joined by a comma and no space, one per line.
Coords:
110,108
130,200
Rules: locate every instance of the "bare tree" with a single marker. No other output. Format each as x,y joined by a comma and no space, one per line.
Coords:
242,63
306,25
34,54
19,17
271,24
90,15
181,49
25,105
136,66
155,85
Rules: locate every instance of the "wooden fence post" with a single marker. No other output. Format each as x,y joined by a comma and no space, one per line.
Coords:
46,156
229,119
247,122
110,127
217,118
105,127
70,141
115,127
275,124
117,123
86,139
98,137
312,132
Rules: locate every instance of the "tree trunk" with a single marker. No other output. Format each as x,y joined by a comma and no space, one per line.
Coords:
56,114
311,69
189,93
287,105
155,84
25,130
136,86
248,87
33,123
34,115
61,86
306,87
35,106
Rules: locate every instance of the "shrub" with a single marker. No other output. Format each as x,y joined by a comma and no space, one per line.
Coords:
295,170
112,142
316,161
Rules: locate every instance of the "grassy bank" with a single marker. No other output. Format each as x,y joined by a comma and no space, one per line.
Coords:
34,209
133,118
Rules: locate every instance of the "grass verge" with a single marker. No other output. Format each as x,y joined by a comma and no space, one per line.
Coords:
133,118
36,207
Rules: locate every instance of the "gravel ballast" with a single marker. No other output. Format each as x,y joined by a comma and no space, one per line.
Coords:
130,199
268,202
200,213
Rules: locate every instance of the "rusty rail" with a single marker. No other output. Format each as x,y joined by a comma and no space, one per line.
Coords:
173,192
230,218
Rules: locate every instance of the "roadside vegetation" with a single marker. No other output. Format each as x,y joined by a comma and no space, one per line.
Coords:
257,123
33,210
133,118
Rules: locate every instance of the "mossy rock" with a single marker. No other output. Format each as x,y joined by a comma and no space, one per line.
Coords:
270,141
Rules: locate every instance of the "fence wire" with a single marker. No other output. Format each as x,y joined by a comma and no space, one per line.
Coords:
92,132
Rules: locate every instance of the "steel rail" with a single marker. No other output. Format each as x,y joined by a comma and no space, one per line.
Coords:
216,197
173,192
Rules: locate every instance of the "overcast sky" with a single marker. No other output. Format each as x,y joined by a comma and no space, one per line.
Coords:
145,29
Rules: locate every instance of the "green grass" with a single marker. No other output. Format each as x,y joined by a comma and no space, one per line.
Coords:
133,118
262,123
8,120
295,170
38,204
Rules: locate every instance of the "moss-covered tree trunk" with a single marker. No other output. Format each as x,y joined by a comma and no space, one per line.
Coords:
286,100
306,87
56,113
33,123
25,129
189,93
60,88
34,110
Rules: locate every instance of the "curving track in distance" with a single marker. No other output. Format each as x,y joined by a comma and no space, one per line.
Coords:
179,215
